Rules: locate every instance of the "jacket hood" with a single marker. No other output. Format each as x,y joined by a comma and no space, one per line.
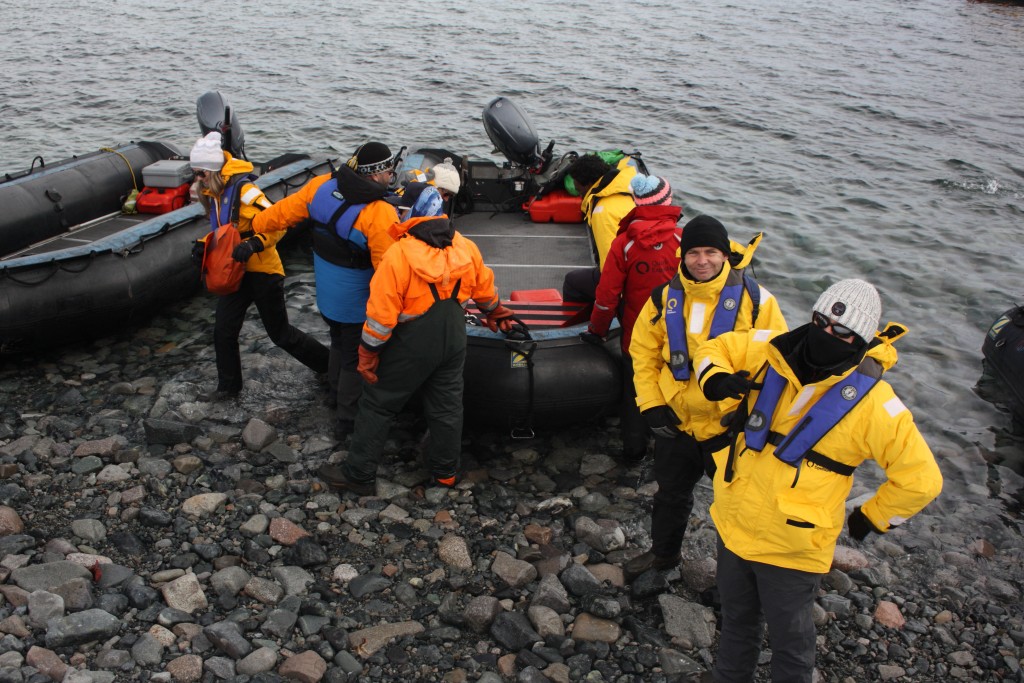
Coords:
615,181
233,166
881,349
438,265
650,225
358,189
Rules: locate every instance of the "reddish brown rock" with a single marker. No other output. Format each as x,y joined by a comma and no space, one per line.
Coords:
285,532
888,614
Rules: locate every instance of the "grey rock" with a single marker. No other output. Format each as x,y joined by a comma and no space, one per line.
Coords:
514,631
551,593
481,612
112,659
364,584
257,662
221,667
169,432
293,580
46,577
257,435
230,580
81,627
690,621
279,623
147,650
578,580
43,606
91,530
515,573
77,594
226,636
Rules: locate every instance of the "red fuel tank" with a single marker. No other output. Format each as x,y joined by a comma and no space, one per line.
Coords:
557,206
161,199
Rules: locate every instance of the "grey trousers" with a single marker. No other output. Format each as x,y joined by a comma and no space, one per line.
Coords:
753,593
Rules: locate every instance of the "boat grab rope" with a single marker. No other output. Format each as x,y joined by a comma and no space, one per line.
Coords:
55,267
135,184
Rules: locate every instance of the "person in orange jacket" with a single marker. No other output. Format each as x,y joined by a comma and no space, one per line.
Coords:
225,189
414,340
351,219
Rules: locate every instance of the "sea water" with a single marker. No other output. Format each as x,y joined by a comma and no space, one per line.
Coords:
871,139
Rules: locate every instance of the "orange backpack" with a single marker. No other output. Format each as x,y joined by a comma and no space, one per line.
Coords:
221,273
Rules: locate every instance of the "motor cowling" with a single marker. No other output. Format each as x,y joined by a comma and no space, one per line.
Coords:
215,113
511,133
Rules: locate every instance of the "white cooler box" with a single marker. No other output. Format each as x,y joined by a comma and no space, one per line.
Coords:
167,173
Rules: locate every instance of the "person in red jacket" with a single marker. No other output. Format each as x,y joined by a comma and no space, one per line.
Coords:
643,255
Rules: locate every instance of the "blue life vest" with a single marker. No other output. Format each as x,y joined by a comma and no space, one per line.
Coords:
837,402
724,319
334,237
226,210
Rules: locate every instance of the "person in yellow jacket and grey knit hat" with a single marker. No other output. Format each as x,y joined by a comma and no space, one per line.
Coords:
710,294
414,340
225,188
817,408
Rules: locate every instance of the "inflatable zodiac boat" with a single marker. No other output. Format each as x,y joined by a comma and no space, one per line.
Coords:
75,265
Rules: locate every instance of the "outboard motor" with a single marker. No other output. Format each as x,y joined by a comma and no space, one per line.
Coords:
513,136
214,113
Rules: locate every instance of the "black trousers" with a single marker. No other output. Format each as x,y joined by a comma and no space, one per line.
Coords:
580,285
678,466
346,385
631,423
753,593
266,290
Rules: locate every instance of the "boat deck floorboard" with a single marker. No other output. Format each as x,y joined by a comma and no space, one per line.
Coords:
524,254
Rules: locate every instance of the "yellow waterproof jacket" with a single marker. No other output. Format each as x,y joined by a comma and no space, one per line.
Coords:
400,288
649,348
251,202
604,207
775,513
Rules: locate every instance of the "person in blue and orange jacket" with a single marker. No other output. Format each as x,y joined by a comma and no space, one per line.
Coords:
225,188
710,294
818,409
414,341
642,256
351,219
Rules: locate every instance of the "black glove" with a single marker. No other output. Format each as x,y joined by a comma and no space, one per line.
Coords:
592,337
722,386
662,420
860,525
246,248
198,249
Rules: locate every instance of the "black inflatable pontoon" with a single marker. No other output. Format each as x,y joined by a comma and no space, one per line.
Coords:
1003,350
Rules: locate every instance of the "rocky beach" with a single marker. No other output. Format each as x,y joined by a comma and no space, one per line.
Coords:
149,536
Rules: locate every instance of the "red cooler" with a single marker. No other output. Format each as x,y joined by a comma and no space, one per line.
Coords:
557,206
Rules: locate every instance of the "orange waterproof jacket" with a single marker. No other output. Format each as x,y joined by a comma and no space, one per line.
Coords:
400,288
373,221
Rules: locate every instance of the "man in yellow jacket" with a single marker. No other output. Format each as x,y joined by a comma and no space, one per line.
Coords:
708,297
606,199
414,340
817,408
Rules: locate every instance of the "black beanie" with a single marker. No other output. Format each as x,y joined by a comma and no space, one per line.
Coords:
704,231
373,157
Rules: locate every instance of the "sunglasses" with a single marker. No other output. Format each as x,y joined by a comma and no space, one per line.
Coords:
824,322
199,173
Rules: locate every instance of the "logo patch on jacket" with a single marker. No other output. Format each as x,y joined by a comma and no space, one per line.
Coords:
849,392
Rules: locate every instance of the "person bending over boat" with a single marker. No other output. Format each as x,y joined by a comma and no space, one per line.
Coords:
819,409
606,200
709,295
643,255
351,218
414,341
225,188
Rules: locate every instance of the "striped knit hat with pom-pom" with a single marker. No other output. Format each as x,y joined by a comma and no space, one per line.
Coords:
651,190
